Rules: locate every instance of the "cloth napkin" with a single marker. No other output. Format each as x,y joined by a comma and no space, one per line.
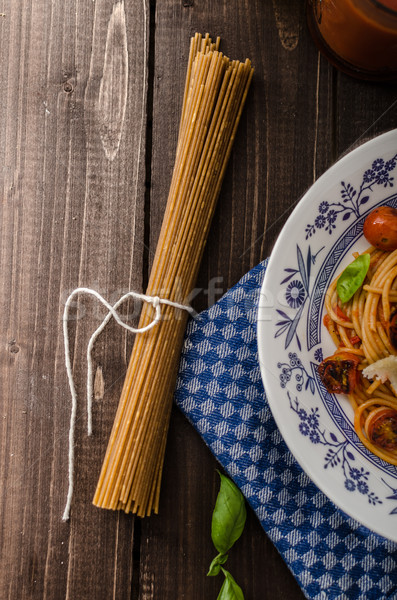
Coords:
220,391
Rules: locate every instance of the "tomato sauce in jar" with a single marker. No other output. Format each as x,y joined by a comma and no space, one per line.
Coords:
358,36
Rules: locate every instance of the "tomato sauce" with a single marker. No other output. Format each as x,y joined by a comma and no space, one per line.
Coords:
389,4
363,33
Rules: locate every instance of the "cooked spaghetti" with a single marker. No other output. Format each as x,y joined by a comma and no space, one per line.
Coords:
215,93
363,366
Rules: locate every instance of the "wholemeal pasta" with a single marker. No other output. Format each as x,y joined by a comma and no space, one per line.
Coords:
215,92
363,332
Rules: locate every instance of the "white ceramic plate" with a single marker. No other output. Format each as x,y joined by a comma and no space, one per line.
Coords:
314,246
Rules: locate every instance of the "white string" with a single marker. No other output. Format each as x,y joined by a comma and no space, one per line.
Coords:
155,301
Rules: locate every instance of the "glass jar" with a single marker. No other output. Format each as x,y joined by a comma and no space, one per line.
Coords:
357,36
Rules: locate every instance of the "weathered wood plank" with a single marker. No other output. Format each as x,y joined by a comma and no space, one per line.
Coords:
277,155
73,94
364,110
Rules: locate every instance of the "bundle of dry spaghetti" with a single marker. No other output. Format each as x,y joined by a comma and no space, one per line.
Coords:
215,92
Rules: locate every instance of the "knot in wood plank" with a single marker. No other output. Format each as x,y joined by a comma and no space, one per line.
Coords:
113,88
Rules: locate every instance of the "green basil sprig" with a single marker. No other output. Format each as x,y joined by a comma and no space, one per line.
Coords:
228,520
230,590
229,516
215,566
352,277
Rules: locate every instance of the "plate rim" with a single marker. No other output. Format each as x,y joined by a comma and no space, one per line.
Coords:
344,160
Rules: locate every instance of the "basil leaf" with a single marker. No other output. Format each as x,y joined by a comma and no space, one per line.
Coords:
352,277
228,518
230,590
215,566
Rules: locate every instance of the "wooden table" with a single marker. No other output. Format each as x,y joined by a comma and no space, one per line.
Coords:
91,94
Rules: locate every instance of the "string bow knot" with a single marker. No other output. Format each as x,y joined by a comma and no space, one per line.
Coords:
156,302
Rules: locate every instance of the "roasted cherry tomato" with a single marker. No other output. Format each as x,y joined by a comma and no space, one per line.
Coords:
380,228
339,372
381,428
393,328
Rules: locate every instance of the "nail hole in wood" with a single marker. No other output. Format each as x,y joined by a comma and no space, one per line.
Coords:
67,87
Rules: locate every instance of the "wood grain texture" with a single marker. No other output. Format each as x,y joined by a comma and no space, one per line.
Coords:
369,109
73,147
77,144
291,132
267,173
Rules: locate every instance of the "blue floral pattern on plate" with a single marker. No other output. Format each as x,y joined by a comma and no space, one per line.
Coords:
338,453
302,378
352,199
297,293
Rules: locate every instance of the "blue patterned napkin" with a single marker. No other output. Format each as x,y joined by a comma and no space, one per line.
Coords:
220,391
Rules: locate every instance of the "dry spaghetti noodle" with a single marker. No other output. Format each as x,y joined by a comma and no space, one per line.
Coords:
215,93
